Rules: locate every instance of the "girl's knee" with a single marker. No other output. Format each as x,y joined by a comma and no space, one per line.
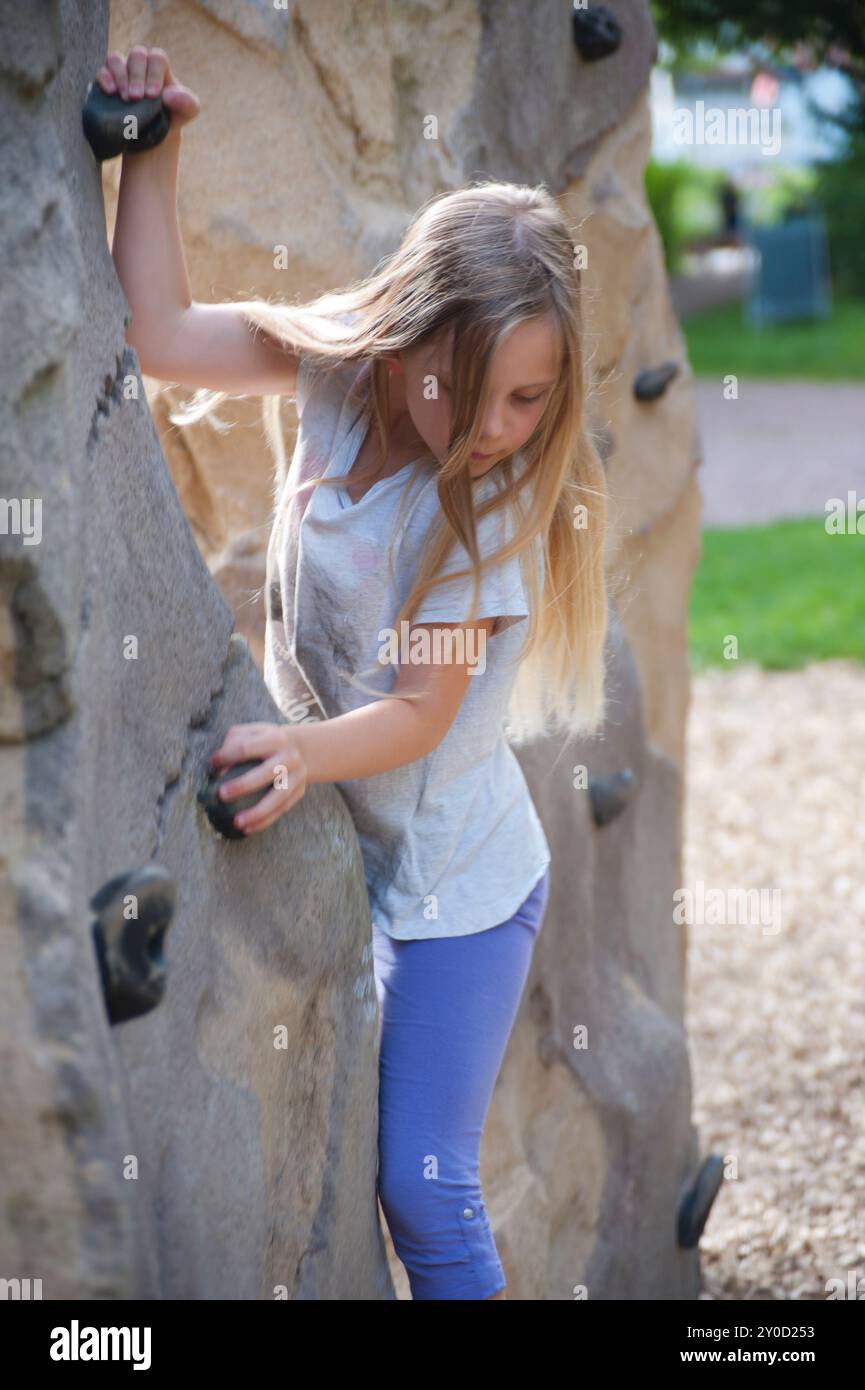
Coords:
404,1197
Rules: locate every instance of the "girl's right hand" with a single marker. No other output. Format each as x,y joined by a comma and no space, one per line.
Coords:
147,73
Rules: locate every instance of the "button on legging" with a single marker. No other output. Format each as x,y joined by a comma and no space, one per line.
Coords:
448,1005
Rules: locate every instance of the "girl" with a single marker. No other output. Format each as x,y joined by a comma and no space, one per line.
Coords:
444,502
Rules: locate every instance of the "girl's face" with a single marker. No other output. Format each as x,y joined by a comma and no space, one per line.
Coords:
523,372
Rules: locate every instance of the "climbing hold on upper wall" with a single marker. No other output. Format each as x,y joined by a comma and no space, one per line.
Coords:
597,32
653,382
109,130
610,795
133,911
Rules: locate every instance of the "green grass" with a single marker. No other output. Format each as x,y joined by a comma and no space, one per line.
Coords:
789,592
720,342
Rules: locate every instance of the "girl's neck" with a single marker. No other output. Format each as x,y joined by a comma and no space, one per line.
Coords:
403,438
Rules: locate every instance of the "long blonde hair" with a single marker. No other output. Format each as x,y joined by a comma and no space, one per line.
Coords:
482,259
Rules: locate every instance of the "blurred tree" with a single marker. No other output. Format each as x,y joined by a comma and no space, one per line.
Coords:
830,33
833,30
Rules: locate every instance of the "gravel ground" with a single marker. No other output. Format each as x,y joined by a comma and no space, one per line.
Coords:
775,799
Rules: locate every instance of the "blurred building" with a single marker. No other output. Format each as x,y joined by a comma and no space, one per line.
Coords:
774,98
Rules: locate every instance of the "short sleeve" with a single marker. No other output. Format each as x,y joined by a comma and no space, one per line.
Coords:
502,593
308,367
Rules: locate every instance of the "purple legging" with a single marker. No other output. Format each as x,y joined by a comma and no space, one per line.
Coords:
448,1005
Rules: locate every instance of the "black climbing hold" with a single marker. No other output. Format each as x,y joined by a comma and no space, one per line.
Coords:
108,129
597,32
610,795
273,603
221,813
653,382
129,947
697,1202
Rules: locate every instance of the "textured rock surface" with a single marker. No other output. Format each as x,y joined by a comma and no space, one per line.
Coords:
315,142
183,1154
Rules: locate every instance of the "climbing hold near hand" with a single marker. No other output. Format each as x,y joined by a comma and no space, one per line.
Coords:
653,382
221,813
133,911
113,126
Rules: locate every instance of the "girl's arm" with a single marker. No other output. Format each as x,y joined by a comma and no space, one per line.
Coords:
177,340
374,738
389,733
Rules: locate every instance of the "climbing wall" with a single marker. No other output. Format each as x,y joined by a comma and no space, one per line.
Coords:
188,1023
194,1090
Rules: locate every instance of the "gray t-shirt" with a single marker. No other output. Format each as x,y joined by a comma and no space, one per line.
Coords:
451,843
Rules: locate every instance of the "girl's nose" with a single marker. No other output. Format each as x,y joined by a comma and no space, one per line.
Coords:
494,427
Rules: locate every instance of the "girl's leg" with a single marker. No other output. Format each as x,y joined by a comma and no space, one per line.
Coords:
447,1009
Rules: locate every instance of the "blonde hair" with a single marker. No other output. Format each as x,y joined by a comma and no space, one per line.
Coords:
482,259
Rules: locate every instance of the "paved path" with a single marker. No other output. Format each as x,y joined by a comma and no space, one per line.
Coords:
781,450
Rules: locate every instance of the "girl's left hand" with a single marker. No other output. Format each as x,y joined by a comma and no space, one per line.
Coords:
282,767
